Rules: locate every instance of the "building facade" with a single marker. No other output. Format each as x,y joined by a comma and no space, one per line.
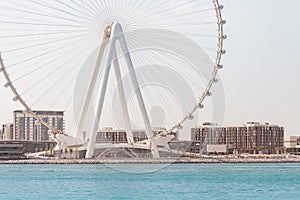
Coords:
11,149
110,135
27,128
292,144
252,137
6,132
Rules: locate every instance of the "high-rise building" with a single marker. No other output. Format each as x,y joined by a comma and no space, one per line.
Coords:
27,128
251,137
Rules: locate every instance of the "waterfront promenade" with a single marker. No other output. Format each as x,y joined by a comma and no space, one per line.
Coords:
215,160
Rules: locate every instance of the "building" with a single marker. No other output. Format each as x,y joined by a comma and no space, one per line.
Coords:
27,128
292,144
217,149
12,149
252,137
110,135
7,132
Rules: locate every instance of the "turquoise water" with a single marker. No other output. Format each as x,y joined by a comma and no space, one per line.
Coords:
192,181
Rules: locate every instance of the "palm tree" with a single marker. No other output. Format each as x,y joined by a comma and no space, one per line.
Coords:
46,151
71,152
66,151
255,150
277,149
242,150
60,153
24,150
260,149
51,150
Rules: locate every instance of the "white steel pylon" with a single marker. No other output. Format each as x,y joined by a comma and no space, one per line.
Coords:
112,34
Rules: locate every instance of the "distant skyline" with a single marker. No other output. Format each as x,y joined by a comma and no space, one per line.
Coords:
260,74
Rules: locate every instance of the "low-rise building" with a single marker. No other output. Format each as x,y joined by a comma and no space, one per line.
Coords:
12,149
292,144
252,137
110,135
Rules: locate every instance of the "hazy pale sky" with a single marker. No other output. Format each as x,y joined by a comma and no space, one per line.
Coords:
261,75
261,65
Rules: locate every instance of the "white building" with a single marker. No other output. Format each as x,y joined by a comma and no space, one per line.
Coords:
292,142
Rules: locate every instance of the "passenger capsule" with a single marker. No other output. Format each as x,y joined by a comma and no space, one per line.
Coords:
191,117
180,127
6,85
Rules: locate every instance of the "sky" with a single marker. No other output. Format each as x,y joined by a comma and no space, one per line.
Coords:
260,74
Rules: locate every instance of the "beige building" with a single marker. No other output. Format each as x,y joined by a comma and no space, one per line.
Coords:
292,142
27,128
110,135
252,137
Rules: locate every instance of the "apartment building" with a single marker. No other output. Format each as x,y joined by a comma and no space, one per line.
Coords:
252,137
27,128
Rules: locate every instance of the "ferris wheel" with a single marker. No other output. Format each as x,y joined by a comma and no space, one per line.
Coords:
126,64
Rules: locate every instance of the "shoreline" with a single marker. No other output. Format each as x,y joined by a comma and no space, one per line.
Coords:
152,161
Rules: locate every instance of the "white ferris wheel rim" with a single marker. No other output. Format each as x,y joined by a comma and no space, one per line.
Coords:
206,93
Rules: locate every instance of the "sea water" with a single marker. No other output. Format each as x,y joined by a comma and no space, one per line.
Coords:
177,181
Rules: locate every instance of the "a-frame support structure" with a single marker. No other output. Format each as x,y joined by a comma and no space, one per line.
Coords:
112,34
